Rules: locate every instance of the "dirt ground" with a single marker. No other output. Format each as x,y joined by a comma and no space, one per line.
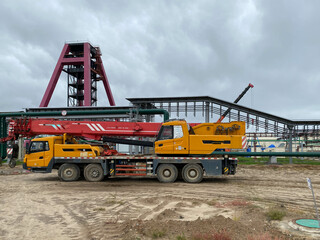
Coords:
39,206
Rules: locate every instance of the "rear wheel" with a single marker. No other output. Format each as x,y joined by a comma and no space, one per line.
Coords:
192,173
167,173
93,172
69,172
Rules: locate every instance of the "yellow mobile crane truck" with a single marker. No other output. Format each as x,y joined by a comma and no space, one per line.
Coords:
180,149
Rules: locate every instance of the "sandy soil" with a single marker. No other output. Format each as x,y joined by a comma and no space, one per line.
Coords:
39,206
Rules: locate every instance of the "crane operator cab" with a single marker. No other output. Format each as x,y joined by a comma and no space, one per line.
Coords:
179,138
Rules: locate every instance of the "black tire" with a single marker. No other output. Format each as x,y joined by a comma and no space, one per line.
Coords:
192,173
167,173
12,163
69,172
59,172
93,172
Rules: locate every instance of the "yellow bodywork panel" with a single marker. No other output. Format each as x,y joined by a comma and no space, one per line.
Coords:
206,144
232,128
75,150
42,150
177,137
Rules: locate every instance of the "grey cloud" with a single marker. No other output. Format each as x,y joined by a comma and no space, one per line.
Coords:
169,48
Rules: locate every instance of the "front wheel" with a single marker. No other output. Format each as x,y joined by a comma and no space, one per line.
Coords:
93,172
167,173
192,173
12,163
69,172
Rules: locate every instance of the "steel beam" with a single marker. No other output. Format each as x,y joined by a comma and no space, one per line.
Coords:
269,154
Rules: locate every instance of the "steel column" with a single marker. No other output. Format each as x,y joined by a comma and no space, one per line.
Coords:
290,143
207,112
87,75
3,134
54,78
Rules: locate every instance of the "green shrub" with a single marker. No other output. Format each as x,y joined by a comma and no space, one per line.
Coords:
275,214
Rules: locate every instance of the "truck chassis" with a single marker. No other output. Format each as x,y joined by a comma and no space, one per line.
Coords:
167,169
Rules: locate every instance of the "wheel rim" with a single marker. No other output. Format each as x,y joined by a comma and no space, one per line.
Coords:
95,173
68,172
193,173
167,173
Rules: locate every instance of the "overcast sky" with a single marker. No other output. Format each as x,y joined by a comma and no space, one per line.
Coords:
169,48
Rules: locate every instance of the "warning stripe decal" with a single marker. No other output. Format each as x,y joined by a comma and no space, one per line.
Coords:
244,142
9,151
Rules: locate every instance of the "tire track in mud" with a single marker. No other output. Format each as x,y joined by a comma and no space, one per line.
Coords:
45,207
89,218
148,214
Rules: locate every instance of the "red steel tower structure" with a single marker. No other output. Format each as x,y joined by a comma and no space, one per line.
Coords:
83,64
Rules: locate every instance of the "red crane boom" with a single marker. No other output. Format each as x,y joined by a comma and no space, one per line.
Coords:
30,127
90,129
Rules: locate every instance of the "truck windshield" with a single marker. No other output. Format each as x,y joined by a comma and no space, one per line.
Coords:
166,132
39,147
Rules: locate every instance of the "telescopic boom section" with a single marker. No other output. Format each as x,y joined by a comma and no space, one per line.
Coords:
90,129
235,101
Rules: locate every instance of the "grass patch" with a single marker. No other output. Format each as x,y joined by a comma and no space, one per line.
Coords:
99,209
265,160
181,237
275,214
212,202
196,203
113,200
237,216
158,234
17,162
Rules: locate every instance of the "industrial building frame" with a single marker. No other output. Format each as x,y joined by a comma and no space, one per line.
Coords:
212,108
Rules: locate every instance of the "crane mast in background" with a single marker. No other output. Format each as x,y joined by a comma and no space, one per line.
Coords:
235,101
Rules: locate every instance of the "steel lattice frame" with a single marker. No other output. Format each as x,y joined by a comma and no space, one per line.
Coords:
83,64
213,108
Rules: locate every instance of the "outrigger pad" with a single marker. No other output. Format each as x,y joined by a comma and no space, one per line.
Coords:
311,223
